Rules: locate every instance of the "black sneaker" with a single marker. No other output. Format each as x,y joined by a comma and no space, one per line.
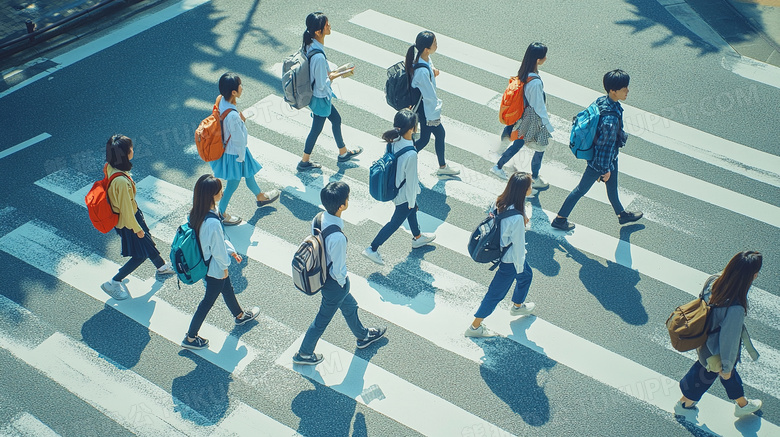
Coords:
308,165
247,316
629,216
350,154
374,334
562,223
196,344
311,360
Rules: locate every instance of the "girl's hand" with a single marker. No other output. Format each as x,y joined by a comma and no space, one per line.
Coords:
333,75
140,234
725,376
525,220
237,257
225,275
435,72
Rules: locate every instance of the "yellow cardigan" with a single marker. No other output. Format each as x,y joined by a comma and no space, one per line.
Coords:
121,193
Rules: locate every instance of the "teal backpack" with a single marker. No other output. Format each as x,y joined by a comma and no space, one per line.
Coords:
583,131
187,256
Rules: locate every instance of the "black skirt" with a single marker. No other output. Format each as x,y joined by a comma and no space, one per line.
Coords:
135,247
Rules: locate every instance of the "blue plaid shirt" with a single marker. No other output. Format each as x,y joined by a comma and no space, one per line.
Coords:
610,136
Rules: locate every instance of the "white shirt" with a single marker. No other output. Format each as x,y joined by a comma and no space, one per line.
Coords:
424,80
513,231
335,248
319,70
235,130
534,94
406,169
214,246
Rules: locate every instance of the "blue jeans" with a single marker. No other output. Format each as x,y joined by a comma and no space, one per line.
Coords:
499,287
588,179
316,128
402,212
334,297
214,287
231,187
536,161
425,136
698,380
133,263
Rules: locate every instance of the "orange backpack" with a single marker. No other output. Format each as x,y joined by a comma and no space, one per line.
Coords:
513,101
101,214
208,135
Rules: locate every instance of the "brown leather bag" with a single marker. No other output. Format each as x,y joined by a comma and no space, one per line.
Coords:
689,324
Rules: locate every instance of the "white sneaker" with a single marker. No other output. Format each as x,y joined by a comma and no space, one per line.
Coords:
540,183
229,220
373,256
752,406
680,410
116,290
480,332
447,171
525,309
166,269
424,239
499,172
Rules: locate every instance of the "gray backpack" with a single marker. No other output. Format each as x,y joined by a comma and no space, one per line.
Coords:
309,269
296,78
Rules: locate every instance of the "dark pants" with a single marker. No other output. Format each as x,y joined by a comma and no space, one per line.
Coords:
214,287
133,263
316,128
536,161
334,297
402,212
499,287
588,179
698,380
425,136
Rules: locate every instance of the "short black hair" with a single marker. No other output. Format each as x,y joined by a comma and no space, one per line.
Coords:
228,83
616,80
117,150
333,196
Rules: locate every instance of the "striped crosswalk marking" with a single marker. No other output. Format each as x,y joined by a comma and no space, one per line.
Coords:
26,425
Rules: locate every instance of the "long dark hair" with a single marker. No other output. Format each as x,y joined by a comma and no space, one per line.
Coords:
228,83
514,193
533,53
423,41
202,198
117,149
315,21
733,284
404,121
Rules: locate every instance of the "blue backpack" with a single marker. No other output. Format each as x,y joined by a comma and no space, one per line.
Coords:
187,256
381,175
583,131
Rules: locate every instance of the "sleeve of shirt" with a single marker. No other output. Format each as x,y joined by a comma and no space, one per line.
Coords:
409,172
423,80
337,247
729,337
535,95
217,244
238,134
606,147
517,236
319,73
122,200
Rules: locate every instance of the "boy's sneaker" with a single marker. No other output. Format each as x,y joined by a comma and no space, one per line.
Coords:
374,334
374,256
229,220
499,172
308,165
166,269
447,171
247,316
682,410
424,239
562,224
525,309
310,360
752,406
480,332
196,344
629,216
116,290
540,183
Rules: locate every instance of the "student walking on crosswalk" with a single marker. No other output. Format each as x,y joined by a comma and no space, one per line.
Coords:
335,291
423,74
719,355
317,27
610,137
237,162
206,223
533,128
514,265
137,242
400,138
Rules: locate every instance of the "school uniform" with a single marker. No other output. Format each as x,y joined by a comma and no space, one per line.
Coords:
335,292
322,99
406,200
513,267
429,109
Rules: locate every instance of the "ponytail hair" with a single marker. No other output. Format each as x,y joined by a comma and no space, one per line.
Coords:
423,41
315,21
202,198
404,121
533,53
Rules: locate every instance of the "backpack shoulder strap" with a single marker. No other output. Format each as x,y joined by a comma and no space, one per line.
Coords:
332,229
427,67
398,155
314,52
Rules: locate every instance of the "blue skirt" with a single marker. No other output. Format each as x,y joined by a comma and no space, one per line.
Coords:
135,247
229,169
320,106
